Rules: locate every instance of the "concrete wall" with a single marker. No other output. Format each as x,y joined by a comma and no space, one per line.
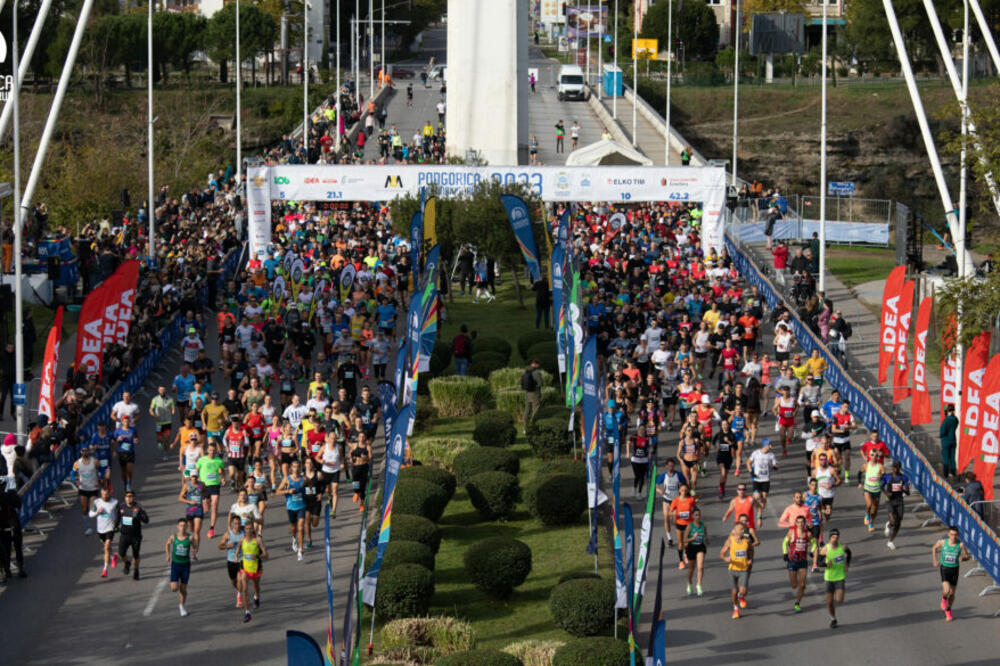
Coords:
487,105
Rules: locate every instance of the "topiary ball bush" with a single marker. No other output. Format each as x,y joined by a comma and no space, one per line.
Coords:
532,338
592,651
436,475
418,497
564,466
583,606
404,591
485,363
413,528
440,357
511,378
494,494
547,356
479,658
495,345
426,414
549,438
459,396
557,499
578,575
479,459
494,428
400,551
497,565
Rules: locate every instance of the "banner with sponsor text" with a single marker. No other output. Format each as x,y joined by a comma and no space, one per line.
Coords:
889,320
49,366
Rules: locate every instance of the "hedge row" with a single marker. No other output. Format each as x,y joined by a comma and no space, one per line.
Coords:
459,396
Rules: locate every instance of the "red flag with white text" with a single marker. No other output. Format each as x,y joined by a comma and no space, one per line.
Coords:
972,394
920,406
125,278
889,321
49,366
989,439
901,377
90,332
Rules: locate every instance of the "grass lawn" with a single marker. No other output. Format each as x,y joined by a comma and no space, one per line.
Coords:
856,265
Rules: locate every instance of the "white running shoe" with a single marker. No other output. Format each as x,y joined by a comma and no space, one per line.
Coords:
300,558
890,545
183,610
887,529
88,532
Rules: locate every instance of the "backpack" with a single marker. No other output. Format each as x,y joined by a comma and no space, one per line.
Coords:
848,329
460,346
528,382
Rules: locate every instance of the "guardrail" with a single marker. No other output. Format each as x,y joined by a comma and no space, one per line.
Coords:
938,494
51,475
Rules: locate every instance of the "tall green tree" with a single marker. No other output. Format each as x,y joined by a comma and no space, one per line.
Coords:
694,24
257,33
868,35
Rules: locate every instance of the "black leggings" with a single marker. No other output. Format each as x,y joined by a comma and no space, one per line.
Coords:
639,471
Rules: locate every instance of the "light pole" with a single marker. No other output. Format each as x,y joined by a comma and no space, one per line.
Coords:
736,87
339,120
18,237
382,42
150,206
616,75
239,121
822,166
670,59
963,177
305,79
371,49
635,71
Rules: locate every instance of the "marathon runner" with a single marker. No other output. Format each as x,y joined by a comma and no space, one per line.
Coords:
100,444
871,483
736,552
126,439
695,540
795,549
87,476
895,485
251,551
230,542
743,505
178,550
947,554
784,410
162,409
681,508
130,519
209,468
193,496
761,462
838,558
670,485
235,441
841,425
293,488
827,480
105,509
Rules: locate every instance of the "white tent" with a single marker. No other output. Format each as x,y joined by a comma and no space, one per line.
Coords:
607,152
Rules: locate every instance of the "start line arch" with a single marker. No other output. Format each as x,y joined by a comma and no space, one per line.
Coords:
614,184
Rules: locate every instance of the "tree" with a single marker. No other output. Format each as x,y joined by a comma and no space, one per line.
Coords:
868,34
694,24
774,7
979,299
257,33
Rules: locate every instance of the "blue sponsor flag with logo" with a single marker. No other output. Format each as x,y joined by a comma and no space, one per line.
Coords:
520,222
416,240
393,463
429,307
657,653
556,277
621,591
591,437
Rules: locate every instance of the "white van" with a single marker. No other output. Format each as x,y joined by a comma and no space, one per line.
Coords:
571,83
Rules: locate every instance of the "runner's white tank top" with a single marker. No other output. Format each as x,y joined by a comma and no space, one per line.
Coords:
88,475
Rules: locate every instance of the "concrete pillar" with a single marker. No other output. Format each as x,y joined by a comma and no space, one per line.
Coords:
487,105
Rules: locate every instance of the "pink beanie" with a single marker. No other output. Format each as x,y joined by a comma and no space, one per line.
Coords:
10,439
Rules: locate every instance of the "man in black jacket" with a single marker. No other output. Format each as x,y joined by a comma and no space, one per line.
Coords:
10,531
7,375
543,301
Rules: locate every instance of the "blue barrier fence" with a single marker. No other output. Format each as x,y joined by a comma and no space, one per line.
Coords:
947,504
49,477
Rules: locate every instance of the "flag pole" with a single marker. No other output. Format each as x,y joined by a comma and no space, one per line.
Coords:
822,167
18,233
150,206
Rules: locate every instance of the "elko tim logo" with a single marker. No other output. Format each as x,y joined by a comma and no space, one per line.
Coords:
6,80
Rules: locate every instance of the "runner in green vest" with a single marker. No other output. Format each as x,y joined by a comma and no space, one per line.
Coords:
838,558
871,483
178,551
952,551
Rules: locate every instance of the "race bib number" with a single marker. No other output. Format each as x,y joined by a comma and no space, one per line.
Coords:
740,554
212,476
897,487
126,446
127,521
310,491
684,515
104,462
286,386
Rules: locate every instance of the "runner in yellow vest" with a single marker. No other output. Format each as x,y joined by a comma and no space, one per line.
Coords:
738,553
251,552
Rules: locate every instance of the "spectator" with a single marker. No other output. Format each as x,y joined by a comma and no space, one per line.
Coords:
948,442
461,350
780,252
531,384
974,493
543,301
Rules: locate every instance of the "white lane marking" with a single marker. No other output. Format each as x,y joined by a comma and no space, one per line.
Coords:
162,585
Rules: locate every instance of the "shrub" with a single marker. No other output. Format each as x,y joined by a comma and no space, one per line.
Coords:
578,575
439,477
575,468
404,591
444,634
547,355
399,551
532,338
440,357
414,528
534,653
583,606
511,401
425,416
511,378
491,343
439,451
479,459
494,428
459,396
419,498
493,494
592,651
557,499
554,409
484,363
479,658
549,438
498,565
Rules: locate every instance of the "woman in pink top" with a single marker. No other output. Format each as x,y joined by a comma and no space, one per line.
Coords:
767,366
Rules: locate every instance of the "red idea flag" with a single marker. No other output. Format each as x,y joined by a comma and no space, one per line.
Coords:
920,406
989,439
889,320
951,368
125,280
90,333
972,394
901,377
49,366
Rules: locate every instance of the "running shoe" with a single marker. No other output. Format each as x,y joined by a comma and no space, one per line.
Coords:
948,616
833,623
211,533
127,567
697,589
309,544
104,572
890,545
183,610
88,532
300,558
737,472
887,529
868,520
680,565
736,613
798,608
256,602
247,617
114,561
743,602
135,574
688,589
722,496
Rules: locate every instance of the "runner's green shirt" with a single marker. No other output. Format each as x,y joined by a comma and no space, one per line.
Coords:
836,561
950,554
163,408
180,550
209,469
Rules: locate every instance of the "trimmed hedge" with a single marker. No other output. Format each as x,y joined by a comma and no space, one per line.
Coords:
479,658
440,357
439,477
413,528
511,378
494,428
498,565
554,409
418,497
534,652
547,355
577,468
483,364
592,651
439,451
495,345
425,417
444,634
399,551
459,396
479,459
578,575
583,606
557,499
404,591
532,338
494,494
549,438
511,401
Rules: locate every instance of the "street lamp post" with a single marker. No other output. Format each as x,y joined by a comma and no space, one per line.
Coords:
670,59
18,236
239,120
822,166
305,79
736,88
150,206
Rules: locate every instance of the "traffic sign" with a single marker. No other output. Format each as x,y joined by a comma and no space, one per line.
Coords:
607,39
20,394
840,188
